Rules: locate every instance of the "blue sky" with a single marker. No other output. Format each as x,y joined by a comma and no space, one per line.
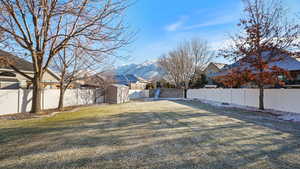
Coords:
161,24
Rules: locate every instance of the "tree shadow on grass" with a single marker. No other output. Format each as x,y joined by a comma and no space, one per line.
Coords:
260,119
201,137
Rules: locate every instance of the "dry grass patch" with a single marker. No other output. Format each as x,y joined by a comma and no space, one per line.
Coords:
162,134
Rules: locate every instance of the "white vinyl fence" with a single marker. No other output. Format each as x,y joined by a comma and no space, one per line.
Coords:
16,101
138,94
287,100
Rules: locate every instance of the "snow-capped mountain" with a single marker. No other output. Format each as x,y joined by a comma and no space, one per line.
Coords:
148,70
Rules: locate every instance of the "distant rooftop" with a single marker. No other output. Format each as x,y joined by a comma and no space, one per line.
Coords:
127,79
285,61
219,65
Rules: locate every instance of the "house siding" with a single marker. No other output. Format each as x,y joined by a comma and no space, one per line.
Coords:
23,80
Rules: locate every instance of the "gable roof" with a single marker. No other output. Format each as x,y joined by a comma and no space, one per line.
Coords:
20,63
217,65
220,65
285,61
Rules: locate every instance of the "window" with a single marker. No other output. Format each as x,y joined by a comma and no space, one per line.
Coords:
298,76
280,77
7,74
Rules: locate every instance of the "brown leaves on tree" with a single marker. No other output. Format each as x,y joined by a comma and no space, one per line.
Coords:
264,28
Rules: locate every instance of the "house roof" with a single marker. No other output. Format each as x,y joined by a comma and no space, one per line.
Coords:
20,63
126,79
285,61
219,65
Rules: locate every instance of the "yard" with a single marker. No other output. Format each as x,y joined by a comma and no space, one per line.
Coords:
158,134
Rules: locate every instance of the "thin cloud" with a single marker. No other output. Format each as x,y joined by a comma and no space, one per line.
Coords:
177,25
219,21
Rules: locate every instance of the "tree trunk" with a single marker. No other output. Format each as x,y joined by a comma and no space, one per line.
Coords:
186,88
261,88
62,90
185,93
36,95
261,98
61,98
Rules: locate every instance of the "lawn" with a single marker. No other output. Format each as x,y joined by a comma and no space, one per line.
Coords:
158,134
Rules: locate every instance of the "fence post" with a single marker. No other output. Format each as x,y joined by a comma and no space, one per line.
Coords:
43,99
77,96
245,103
95,98
18,107
230,95
282,96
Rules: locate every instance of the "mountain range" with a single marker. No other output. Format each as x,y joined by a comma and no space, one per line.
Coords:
148,70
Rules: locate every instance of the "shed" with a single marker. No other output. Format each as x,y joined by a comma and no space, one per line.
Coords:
116,94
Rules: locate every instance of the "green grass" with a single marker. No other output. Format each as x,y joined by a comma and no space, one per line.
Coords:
162,134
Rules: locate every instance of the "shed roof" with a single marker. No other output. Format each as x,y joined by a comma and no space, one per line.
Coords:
118,85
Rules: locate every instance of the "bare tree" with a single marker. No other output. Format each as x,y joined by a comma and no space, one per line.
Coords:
266,37
43,28
202,55
71,64
201,52
181,64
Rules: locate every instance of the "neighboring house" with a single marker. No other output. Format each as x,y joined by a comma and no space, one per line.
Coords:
95,81
211,69
10,79
285,61
84,80
132,81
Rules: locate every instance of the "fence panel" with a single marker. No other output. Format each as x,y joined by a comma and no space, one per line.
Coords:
237,96
25,97
251,97
71,97
283,100
276,99
86,97
15,101
9,101
137,94
50,98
